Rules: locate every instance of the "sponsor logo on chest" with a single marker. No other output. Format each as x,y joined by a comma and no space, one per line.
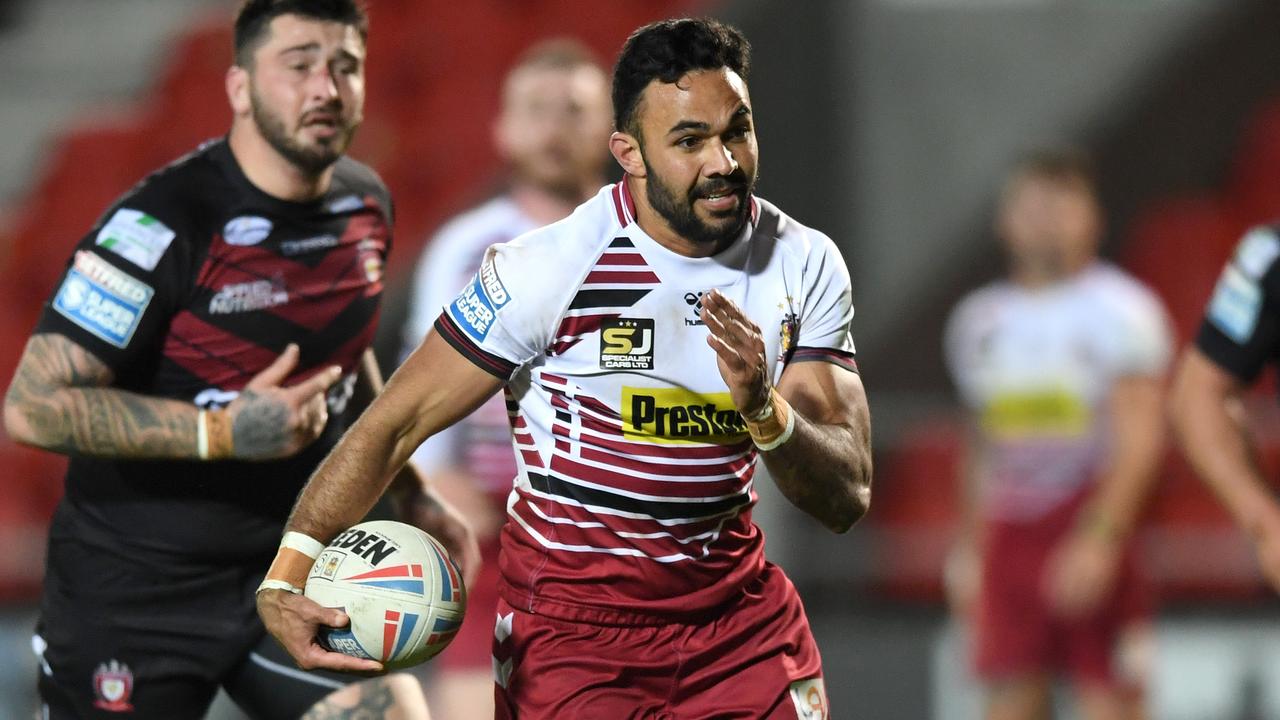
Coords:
248,296
626,344
674,416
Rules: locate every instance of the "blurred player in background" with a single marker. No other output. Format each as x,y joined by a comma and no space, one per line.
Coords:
653,346
1239,336
207,345
553,133
1062,366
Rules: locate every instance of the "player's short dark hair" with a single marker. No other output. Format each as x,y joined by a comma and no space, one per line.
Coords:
256,15
665,51
1060,164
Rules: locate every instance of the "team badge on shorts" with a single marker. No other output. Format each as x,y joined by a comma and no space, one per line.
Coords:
810,698
626,344
113,685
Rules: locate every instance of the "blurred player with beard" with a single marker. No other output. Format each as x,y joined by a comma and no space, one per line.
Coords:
207,345
633,579
553,133
1062,367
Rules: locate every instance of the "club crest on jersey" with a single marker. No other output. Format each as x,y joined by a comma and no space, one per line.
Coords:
787,333
102,299
626,344
113,686
673,416
478,305
246,230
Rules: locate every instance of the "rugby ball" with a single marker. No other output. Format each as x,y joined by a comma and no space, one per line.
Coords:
402,591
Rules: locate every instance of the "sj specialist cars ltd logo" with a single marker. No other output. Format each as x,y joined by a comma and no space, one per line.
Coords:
626,344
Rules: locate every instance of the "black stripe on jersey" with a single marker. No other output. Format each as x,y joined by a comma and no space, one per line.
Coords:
486,361
841,358
621,242
607,298
659,509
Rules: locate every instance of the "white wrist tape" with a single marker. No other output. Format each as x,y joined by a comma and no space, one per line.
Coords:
278,585
303,543
785,436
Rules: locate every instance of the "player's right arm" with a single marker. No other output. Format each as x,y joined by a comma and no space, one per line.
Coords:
61,400
1239,334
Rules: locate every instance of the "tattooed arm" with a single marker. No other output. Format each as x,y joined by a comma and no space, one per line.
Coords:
61,400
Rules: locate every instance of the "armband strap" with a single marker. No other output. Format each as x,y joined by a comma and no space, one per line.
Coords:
773,425
297,553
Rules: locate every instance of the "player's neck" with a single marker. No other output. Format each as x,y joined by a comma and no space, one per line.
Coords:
542,205
271,172
1033,277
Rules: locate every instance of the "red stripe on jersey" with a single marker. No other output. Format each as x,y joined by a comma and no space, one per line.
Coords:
617,205
532,458
629,462
214,355
652,540
628,204
690,488
614,257
554,508
620,277
675,452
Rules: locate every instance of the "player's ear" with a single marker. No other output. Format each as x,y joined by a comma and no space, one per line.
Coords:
626,150
237,82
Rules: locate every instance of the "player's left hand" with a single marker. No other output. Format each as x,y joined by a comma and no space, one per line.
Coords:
1081,573
427,510
740,352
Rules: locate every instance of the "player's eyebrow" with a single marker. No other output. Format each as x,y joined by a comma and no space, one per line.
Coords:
741,112
305,47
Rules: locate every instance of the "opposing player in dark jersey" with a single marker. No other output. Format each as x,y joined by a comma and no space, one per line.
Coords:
1240,335
653,347
205,348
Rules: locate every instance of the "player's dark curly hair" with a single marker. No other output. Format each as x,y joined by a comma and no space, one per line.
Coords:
665,51
256,15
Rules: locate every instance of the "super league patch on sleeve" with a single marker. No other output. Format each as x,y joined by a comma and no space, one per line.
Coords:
102,299
478,305
136,237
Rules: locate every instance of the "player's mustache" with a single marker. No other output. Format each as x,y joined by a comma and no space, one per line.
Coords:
723,186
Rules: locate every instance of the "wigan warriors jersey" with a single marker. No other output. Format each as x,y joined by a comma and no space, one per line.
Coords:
634,492
1037,367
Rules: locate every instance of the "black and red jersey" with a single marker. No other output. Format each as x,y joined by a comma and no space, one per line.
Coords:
187,287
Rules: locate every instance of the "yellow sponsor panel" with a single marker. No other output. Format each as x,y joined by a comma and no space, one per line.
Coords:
675,416
1052,413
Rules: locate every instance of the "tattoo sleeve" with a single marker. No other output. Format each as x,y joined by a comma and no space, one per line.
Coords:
375,700
60,400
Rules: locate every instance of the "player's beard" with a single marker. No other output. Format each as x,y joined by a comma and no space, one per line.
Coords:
311,160
679,213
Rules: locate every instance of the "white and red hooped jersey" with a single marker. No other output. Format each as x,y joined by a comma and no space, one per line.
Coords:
634,492
1037,368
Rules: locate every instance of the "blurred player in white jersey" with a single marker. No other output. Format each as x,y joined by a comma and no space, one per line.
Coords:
652,348
553,133
1062,366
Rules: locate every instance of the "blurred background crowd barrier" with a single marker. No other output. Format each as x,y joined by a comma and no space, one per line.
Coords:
886,123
